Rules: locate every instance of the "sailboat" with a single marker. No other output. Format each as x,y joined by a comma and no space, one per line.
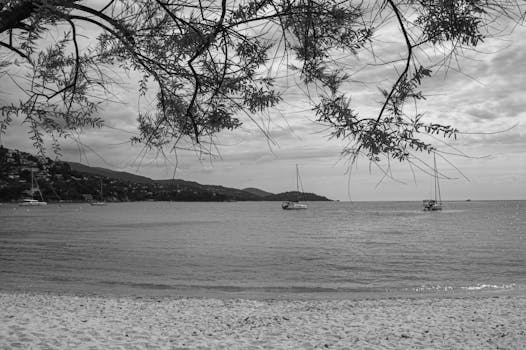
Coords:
436,203
293,205
31,202
101,202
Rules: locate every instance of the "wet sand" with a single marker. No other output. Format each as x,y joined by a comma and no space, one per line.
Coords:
47,321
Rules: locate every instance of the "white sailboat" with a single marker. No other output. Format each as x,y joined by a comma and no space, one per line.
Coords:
101,202
436,203
294,205
31,202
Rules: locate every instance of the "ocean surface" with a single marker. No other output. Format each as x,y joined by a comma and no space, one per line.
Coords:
258,250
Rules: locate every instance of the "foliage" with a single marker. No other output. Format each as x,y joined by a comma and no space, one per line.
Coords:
208,63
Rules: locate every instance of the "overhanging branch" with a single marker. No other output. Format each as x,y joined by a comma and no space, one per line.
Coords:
17,51
407,63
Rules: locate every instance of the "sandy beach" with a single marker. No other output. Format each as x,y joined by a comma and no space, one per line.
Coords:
45,321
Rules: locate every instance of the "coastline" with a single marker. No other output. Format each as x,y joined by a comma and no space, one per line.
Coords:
55,321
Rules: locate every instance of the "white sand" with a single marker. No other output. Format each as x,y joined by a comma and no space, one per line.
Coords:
32,321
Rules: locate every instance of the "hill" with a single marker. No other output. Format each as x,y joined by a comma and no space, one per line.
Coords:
70,181
294,195
228,192
257,192
119,175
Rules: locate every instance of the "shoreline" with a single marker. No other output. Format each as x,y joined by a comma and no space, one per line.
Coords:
57,321
266,294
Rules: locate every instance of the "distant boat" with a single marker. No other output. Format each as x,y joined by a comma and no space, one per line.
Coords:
31,202
101,202
294,205
28,202
436,203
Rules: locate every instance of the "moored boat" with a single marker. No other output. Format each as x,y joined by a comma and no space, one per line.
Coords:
436,203
31,202
100,203
294,205
291,205
431,205
28,202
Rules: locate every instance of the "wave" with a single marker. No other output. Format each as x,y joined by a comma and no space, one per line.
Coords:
476,287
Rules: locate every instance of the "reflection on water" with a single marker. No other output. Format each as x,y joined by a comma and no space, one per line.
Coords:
258,248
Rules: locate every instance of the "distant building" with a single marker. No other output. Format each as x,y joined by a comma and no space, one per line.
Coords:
30,168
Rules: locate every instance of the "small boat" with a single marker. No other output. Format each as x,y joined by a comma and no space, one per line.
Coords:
431,205
436,203
291,205
100,203
31,202
294,205
28,202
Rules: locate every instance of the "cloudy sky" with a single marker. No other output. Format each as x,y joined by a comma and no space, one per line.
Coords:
485,100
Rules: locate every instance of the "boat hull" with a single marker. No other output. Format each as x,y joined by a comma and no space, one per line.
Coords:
433,209
293,206
32,204
432,205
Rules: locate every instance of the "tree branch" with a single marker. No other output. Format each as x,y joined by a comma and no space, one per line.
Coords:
199,52
15,50
77,64
407,64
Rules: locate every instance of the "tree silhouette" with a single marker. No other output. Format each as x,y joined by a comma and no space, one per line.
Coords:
209,64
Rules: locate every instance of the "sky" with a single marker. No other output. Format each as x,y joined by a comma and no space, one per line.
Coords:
485,100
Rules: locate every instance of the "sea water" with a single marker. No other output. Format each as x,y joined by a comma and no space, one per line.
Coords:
256,249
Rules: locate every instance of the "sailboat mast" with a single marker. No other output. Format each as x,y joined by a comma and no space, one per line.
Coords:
437,183
33,182
297,179
297,184
436,179
436,176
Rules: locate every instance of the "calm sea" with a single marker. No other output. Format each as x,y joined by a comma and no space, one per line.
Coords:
256,249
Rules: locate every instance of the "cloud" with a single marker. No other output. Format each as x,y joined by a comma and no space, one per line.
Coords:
480,113
486,94
515,138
